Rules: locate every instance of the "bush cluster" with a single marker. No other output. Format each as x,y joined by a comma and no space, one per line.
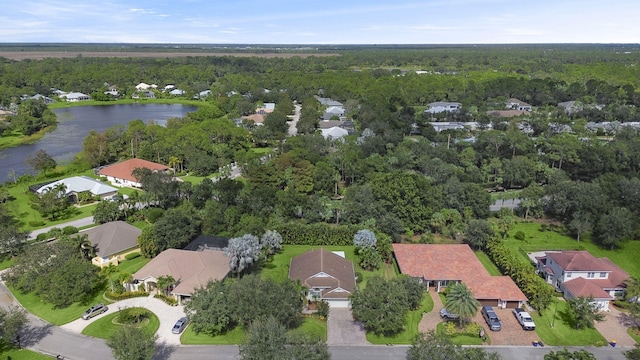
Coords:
125,295
319,234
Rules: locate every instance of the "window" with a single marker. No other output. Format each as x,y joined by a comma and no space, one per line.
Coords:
591,275
568,274
603,274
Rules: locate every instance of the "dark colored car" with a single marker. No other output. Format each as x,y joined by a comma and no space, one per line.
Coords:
180,325
491,318
93,311
445,314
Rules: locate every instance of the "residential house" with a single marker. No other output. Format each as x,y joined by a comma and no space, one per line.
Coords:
121,174
78,184
445,125
203,94
328,124
112,241
571,106
190,269
442,106
439,265
257,119
266,108
57,92
578,273
207,242
515,104
177,92
75,97
328,102
45,99
143,86
327,275
334,133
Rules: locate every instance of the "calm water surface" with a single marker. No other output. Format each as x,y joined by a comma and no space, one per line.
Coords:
75,123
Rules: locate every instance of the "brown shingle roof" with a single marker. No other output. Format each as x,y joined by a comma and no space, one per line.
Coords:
190,269
124,170
113,237
455,262
583,287
324,269
578,261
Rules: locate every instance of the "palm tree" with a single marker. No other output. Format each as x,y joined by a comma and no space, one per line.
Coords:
460,300
108,271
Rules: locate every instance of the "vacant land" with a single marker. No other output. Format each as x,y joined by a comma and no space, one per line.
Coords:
39,55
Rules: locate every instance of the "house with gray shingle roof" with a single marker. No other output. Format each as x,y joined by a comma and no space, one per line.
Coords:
327,275
112,241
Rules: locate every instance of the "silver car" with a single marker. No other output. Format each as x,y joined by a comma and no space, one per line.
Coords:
93,311
180,325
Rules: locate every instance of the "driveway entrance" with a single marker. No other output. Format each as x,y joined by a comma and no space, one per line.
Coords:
343,330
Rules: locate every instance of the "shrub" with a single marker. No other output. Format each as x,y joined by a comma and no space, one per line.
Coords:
323,308
132,256
318,234
153,214
167,299
42,237
132,315
36,223
69,230
358,277
125,295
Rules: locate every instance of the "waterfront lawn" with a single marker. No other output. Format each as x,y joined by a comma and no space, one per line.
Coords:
536,240
563,333
411,325
277,267
105,327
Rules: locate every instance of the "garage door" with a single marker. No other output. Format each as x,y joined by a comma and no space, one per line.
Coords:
512,304
490,302
339,303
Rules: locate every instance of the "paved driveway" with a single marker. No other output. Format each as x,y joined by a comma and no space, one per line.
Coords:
168,315
343,330
511,333
613,329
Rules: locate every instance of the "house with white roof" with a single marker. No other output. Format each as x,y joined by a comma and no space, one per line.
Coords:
75,97
78,184
442,106
334,133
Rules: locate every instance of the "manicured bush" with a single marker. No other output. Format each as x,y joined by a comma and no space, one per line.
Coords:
132,315
125,295
69,230
132,256
168,299
318,234
36,223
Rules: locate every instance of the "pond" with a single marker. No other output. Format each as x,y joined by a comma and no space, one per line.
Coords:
75,123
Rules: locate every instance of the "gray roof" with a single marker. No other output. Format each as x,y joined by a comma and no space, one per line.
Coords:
79,184
113,237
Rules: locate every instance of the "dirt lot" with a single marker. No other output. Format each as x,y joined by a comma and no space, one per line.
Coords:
511,333
39,55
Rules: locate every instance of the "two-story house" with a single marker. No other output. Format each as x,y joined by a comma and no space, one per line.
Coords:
578,273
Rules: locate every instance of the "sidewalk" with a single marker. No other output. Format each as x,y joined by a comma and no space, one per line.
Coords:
168,315
77,223
431,319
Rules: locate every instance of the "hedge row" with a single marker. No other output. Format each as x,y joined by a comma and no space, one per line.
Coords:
318,234
167,299
125,295
539,293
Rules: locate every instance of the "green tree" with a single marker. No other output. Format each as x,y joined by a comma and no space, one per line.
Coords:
579,224
52,202
132,343
460,300
633,354
568,355
584,312
211,308
107,211
12,238
243,252
381,306
164,282
478,233
437,346
41,162
12,322
276,123
271,241
265,340
370,259
614,227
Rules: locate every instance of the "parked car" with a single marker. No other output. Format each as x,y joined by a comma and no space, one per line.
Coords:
491,318
445,314
180,325
524,319
93,311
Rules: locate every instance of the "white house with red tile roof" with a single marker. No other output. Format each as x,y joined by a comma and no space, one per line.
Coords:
438,265
578,273
121,174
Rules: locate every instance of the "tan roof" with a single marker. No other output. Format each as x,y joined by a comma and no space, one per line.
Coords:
190,269
455,262
323,269
113,237
257,118
124,170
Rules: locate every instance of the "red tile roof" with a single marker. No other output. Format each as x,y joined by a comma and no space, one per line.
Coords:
124,170
584,287
577,261
455,262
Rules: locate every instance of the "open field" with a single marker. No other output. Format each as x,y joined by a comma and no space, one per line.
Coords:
39,55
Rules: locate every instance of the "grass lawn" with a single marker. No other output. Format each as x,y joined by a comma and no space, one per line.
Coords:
463,338
312,327
562,333
22,354
44,310
105,327
15,138
233,337
6,263
535,240
277,268
635,334
195,180
58,317
488,265
411,326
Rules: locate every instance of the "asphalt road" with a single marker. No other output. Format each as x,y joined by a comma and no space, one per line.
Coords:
77,223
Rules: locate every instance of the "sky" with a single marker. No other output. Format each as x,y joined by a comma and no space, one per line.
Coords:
320,21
